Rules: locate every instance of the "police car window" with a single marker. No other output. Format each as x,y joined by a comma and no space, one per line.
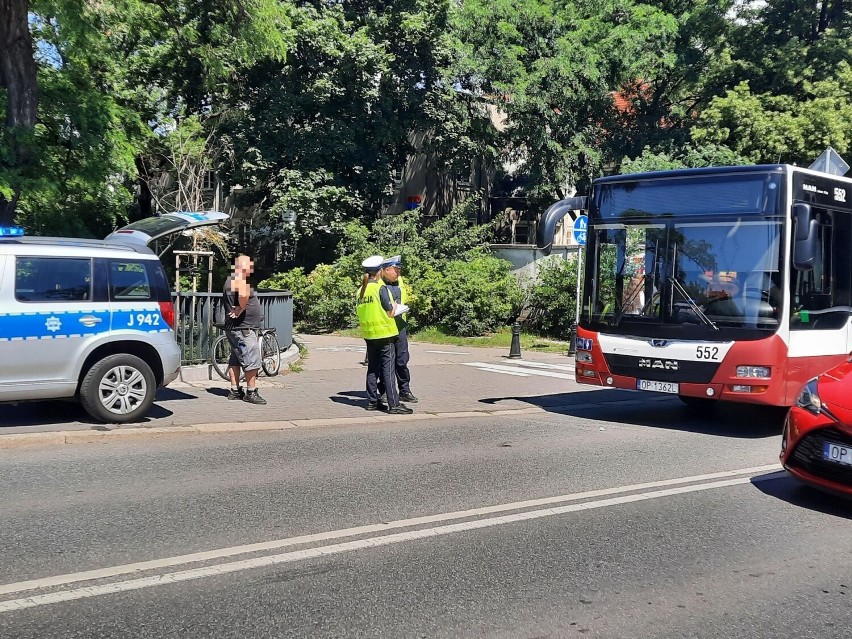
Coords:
52,279
128,281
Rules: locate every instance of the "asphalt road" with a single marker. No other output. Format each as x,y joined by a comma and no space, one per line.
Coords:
659,523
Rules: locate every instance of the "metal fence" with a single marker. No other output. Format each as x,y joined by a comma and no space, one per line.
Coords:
194,328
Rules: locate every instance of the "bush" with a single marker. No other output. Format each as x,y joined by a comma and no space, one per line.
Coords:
322,301
553,298
455,282
470,298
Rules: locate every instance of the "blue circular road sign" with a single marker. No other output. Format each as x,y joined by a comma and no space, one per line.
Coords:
580,226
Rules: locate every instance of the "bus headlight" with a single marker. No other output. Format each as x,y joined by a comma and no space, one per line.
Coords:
809,398
760,372
584,356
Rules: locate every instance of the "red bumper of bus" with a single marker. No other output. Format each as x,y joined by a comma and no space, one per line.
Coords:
779,389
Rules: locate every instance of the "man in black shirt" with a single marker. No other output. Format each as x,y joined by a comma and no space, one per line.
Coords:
244,318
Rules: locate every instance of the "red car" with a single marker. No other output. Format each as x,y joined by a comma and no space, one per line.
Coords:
817,443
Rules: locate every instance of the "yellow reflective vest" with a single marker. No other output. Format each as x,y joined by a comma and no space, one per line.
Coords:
404,293
372,318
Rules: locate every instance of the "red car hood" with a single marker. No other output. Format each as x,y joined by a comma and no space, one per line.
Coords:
835,389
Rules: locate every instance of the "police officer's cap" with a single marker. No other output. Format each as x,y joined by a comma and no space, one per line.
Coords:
373,263
396,260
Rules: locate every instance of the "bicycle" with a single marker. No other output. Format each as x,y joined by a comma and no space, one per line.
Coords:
270,353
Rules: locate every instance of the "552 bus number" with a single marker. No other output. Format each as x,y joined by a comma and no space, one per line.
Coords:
708,353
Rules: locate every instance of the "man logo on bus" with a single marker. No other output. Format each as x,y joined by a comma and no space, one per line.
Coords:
662,364
659,343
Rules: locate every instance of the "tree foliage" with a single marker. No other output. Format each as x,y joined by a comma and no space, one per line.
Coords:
310,105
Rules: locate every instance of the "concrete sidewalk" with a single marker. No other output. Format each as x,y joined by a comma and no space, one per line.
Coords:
331,386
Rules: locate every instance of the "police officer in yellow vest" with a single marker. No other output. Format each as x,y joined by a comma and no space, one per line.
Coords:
376,309
391,269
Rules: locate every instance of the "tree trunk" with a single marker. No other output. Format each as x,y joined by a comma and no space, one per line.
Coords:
18,78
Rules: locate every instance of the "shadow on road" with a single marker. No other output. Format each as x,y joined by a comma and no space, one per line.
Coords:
357,394
41,413
172,394
350,398
71,413
627,407
782,486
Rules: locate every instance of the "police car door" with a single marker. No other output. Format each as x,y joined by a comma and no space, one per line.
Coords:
50,314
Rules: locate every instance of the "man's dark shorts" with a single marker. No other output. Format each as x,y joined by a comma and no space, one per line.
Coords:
245,351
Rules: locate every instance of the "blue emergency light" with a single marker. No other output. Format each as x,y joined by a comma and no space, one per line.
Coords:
11,231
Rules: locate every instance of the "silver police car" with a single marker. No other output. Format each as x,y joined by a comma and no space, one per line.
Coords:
91,319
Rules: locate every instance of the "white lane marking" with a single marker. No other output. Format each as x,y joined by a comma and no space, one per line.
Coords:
342,349
333,549
449,352
503,372
223,553
542,365
510,370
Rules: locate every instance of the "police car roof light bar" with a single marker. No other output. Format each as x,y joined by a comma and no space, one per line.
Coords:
11,231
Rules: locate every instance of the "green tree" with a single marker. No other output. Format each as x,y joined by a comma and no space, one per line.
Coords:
769,128
320,133
551,67
108,74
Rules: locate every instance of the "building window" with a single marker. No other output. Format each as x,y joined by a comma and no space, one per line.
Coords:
463,179
208,181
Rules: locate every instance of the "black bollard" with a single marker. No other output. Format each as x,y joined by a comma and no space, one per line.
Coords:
515,348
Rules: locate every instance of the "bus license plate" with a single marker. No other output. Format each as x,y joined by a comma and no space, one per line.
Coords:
837,453
659,387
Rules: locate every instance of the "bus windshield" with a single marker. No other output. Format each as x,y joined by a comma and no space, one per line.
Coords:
688,274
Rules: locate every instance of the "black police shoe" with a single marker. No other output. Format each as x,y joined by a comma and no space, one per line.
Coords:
408,397
253,397
236,394
376,406
402,409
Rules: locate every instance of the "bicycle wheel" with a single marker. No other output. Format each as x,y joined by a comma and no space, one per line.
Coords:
220,353
270,354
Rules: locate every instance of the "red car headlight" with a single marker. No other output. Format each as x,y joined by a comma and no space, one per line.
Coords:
809,400
809,397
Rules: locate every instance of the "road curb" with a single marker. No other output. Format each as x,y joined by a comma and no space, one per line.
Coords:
124,434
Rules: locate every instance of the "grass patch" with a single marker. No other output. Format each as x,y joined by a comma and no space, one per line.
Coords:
500,339
354,333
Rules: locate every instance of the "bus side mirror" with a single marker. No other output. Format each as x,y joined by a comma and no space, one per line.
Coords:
805,238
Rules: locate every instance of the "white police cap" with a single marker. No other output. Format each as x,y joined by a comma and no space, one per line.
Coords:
396,260
373,263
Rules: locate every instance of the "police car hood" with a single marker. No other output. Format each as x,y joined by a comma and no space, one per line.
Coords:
153,228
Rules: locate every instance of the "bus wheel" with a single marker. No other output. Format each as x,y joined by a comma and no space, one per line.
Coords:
703,403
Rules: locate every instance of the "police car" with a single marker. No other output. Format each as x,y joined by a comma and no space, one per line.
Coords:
91,319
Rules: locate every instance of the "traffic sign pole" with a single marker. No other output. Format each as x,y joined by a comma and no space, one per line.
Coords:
581,225
579,279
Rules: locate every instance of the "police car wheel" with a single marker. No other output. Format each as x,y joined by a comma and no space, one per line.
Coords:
118,389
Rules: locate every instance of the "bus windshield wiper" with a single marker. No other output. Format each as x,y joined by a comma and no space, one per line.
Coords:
696,309
617,319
